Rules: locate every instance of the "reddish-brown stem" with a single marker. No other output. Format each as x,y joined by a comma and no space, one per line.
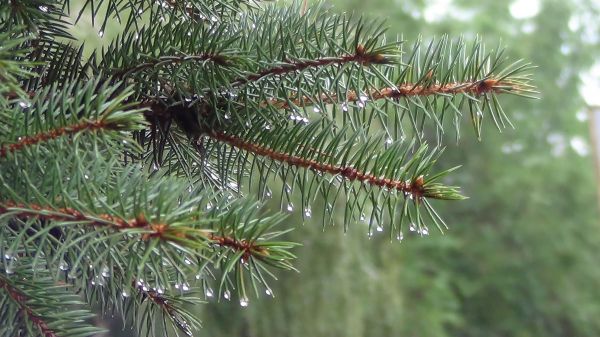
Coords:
360,56
216,58
21,300
248,248
156,230
475,88
23,142
416,188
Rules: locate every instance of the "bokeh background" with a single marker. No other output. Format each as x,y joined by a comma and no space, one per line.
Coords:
522,255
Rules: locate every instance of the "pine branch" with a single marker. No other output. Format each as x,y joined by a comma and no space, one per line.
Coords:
38,306
21,300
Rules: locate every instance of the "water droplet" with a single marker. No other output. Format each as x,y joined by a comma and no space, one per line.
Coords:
154,167
307,212
227,116
177,285
160,290
125,293
268,127
85,176
43,9
214,19
198,276
63,266
400,236
363,217
185,287
345,107
227,294
268,193
316,109
105,272
361,104
379,228
208,292
269,292
10,270
389,141
244,302
24,104
8,256
290,207
145,288
412,227
369,234
187,261
101,33
425,231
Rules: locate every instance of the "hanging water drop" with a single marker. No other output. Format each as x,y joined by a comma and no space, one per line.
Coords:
160,290
101,33
363,217
187,261
379,228
185,287
389,141
307,212
363,98
43,9
63,265
85,176
24,104
316,109
154,167
412,227
400,236
425,231
269,292
290,207
105,272
208,292
345,107
370,234
268,193
227,294
244,302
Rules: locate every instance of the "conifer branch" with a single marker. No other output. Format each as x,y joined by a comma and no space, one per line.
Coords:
361,57
475,88
415,188
86,126
20,299
216,58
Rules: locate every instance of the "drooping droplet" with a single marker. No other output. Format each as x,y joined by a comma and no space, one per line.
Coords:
425,231
125,293
363,98
185,287
389,141
400,236
244,302
268,192
316,109
379,228
227,295
105,272
154,167
412,227
177,285
101,33
187,261
363,217
269,292
290,207
307,212
160,290
43,9
345,107
64,266
85,176
370,234
24,104
208,292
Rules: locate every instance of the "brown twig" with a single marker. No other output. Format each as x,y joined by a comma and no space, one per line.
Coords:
21,300
416,188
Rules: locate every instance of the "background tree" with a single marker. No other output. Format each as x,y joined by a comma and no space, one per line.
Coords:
129,176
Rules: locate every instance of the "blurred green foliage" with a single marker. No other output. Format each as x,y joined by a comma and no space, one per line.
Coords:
520,257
